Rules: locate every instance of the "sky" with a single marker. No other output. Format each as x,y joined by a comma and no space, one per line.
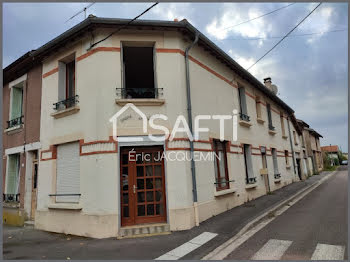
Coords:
311,71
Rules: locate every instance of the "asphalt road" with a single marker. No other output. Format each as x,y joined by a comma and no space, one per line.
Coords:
315,227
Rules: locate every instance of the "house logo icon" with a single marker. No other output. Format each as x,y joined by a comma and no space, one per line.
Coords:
114,120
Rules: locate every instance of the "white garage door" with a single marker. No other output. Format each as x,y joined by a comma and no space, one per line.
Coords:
68,173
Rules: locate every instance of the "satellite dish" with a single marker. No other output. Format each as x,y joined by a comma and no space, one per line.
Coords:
274,89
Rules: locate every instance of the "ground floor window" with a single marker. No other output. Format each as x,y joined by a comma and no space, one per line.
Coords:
68,173
221,171
250,178
12,178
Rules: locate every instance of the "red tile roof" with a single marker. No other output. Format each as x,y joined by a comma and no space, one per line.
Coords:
330,148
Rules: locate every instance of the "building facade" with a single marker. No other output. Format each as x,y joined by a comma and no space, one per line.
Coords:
21,139
96,89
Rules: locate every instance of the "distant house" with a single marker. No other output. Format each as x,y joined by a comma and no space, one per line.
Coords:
332,152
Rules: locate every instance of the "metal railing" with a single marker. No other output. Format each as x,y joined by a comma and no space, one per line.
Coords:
277,176
251,180
244,117
15,122
139,92
69,102
224,182
11,198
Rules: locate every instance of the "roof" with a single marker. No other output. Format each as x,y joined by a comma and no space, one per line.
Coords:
302,123
184,26
330,148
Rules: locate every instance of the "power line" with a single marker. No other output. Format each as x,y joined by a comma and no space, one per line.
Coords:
276,37
120,28
257,17
285,36
83,10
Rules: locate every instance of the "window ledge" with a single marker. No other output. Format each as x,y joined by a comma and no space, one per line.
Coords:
10,205
277,180
288,166
284,137
140,101
66,112
12,130
245,123
271,132
249,186
260,120
263,171
224,192
69,206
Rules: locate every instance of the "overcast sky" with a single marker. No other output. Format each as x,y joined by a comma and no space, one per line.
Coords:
310,71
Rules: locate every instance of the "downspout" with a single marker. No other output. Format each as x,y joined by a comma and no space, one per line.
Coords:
189,115
291,145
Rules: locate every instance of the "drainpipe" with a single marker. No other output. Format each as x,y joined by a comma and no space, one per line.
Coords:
189,115
291,146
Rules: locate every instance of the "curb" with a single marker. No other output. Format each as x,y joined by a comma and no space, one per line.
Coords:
267,213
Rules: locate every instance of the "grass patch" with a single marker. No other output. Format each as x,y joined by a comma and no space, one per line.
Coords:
330,168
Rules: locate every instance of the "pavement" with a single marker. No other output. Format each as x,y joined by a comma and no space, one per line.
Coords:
26,243
315,227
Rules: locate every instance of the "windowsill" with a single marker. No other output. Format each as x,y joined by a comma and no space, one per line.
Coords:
224,192
140,101
272,132
260,120
277,180
10,204
284,137
264,171
12,129
69,206
245,123
288,166
249,186
66,112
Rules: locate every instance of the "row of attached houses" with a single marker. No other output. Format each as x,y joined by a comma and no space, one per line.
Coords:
64,169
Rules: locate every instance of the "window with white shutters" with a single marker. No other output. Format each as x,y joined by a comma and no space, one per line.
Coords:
68,173
12,177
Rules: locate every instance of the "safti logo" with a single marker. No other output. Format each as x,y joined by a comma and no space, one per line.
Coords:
180,126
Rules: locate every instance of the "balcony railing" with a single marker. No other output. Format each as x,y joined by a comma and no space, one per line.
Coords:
277,176
244,117
15,122
126,93
251,180
11,198
69,102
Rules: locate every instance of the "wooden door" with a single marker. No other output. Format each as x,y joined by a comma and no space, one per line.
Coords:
142,185
34,189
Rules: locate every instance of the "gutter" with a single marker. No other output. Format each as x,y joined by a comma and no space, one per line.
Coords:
189,115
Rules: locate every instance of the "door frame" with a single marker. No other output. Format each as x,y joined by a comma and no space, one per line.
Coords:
140,141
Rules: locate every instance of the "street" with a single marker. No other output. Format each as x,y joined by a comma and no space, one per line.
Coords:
317,221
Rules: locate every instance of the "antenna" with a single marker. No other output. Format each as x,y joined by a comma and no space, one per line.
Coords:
83,10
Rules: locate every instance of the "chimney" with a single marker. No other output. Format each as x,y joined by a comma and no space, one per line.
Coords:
176,20
267,82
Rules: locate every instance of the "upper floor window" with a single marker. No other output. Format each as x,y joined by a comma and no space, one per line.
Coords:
16,107
269,117
302,139
295,138
138,69
66,83
250,178
243,104
282,124
258,107
221,170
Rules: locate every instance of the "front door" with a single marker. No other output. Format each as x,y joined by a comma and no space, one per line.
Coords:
142,185
34,188
299,168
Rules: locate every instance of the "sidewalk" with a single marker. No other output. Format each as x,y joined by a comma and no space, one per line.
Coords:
25,243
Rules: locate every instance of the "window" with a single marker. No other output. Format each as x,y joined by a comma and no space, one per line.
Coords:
295,138
66,83
12,178
302,140
282,124
268,108
248,164
16,106
258,107
243,104
221,178
138,60
68,173
263,157
275,163
286,154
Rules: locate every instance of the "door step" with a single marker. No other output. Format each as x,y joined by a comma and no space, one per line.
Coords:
29,223
144,230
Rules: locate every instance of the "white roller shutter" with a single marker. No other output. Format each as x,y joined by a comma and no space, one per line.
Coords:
68,172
